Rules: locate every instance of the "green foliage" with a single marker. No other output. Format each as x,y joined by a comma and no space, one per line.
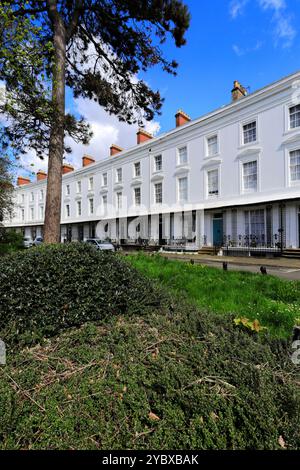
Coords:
275,303
166,378
106,45
49,288
10,241
150,372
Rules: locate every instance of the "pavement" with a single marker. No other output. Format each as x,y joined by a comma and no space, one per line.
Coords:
285,268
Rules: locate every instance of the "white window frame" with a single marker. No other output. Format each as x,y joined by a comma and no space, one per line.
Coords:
32,196
135,174
104,201
245,123
104,179
68,191
154,192
41,194
290,182
67,211
140,196
91,183
78,187
91,206
208,170
32,213
178,162
119,175
41,212
181,177
155,170
119,200
22,215
244,162
79,208
290,106
210,136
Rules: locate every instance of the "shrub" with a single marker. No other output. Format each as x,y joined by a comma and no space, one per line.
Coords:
150,371
10,241
54,287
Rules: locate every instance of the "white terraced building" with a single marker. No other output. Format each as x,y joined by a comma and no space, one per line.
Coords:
230,178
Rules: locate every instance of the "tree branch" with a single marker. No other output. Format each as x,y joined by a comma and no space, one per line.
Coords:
71,28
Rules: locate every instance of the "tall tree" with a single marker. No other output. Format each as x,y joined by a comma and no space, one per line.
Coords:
6,188
95,47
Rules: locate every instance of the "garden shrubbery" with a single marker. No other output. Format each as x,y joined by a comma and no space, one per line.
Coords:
10,241
149,372
53,287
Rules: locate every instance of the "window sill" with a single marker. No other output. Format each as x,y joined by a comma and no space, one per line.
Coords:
249,144
209,157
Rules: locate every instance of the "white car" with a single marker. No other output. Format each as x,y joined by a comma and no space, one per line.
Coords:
27,242
100,244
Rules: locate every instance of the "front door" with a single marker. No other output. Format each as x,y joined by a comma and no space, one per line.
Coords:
218,231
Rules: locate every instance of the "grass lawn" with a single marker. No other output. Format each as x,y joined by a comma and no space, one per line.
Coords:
274,302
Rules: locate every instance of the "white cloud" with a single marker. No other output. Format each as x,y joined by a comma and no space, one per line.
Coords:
274,4
237,7
284,32
107,130
239,51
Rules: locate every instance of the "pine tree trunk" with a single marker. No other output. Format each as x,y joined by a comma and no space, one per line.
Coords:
56,145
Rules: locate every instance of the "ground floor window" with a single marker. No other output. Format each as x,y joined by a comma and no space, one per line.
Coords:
255,225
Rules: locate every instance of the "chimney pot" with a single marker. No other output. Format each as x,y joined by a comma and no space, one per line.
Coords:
238,91
22,180
66,168
87,160
142,136
181,118
114,149
41,175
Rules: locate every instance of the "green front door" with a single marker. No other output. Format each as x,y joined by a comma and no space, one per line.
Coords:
218,232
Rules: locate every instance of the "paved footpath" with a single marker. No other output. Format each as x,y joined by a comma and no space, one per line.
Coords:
284,268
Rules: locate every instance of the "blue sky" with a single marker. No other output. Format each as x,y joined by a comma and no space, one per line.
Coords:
253,41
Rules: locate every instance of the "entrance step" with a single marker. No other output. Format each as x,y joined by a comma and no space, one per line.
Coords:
207,250
291,253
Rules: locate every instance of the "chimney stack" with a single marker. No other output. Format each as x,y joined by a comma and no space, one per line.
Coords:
66,168
238,91
87,160
22,180
41,175
142,136
114,149
181,118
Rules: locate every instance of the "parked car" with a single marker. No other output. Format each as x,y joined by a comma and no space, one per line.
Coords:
27,242
100,244
38,241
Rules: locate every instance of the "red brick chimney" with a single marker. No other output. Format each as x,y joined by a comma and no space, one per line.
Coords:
114,149
22,180
181,118
41,175
238,91
87,160
66,168
142,136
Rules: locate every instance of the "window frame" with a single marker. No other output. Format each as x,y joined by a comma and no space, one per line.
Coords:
154,192
119,171
155,170
207,138
178,162
135,174
245,123
179,178
243,163
209,170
